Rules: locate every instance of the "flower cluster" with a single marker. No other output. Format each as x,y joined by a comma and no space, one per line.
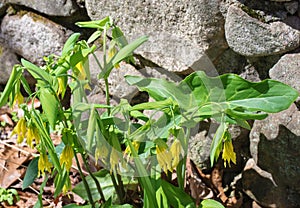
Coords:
168,160
31,133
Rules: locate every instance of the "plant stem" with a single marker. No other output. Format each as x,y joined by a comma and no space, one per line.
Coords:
93,177
117,188
107,95
86,186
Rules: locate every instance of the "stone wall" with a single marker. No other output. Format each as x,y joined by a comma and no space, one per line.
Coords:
256,39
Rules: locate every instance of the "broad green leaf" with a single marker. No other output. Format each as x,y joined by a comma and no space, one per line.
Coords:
176,196
31,173
49,104
69,45
210,203
232,91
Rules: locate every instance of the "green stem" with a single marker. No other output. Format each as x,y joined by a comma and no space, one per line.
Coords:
107,95
93,177
86,186
121,186
117,188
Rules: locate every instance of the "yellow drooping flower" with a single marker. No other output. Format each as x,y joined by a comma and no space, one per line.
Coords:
101,152
82,73
175,150
66,157
32,135
20,130
136,146
228,152
44,164
61,86
164,158
18,99
114,159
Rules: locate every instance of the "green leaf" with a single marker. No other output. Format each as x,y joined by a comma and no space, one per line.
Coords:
216,145
106,184
15,75
122,54
97,24
31,173
69,45
49,104
210,203
160,89
176,196
37,73
94,36
232,91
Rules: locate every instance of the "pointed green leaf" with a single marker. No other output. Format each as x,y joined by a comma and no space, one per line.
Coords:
216,145
15,75
176,196
31,173
69,45
122,54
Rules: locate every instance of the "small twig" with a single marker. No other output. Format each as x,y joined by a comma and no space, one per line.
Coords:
19,149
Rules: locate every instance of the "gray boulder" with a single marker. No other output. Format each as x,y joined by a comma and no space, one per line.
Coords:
33,36
180,32
274,146
250,37
287,70
7,60
49,7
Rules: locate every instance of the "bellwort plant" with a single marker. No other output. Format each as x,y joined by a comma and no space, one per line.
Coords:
133,149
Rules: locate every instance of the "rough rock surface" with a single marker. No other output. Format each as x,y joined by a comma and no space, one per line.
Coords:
274,145
49,7
7,60
33,36
250,37
180,31
118,86
286,70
